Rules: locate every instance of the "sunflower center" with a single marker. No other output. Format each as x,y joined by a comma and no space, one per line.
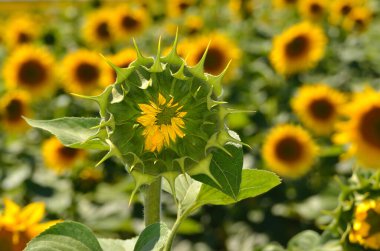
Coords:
164,117
214,61
345,9
129,23
297,47
87,73
369,126
315,8
103,30
359,24
23,38
14,110
288,149
183,6
32,73
67,152
321,109
374,220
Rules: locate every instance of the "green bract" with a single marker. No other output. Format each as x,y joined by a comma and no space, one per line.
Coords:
204,148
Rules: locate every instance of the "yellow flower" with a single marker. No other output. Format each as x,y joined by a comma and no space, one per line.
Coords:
289,151
177,8
221,51
122,59
20,30
85,72
97,28
13,106
361,130
59,157
317,105
128,22
284,3
241,8
298,48
30,68
313,9
162,121
365,230
358,19
19,225
341,9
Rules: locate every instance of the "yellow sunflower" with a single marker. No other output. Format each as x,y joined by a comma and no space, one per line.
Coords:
241,8
341,9
318,105
289,151
20,30
284,3
13,106
128,22
361,130
221,51
365,230
176,8
358,19
19,225
313,9
85,72
298,48
163,122
30,68
97,29
59,157
122,59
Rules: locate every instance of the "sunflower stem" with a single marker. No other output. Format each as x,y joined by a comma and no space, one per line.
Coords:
152,207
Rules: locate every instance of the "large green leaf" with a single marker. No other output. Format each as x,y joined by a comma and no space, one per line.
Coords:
65,236
72,132
307,240
153,238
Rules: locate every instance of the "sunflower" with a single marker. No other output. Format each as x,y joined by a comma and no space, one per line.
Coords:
298,48
361,130
85,72
20,30
313,9
340,9
162,121
13,106
365,229
30,68
318,106
289,150
19,225
241,8
218,56
177,8
97,28
128,22
284,3
358,19
122,59
59,157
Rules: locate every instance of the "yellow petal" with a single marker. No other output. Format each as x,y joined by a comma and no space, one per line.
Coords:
147,120
10,208
32,213
161,99
148,109
39,228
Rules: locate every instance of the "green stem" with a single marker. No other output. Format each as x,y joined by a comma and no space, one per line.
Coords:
152,207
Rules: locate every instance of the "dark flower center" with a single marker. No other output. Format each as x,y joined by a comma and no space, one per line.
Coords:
103,31
321,109
87,73
23,38
345,10
14,110
129,23
297,47
214,63
32,73
288,149
165,116
183,6
359,24
315,8
369,126
68,153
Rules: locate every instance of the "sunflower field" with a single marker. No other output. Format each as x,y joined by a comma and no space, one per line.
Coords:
190,125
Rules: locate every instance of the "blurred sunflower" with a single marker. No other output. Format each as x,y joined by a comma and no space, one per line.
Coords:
313,9
341,9
361,130
359,19
177,8
289,151
193,24
317,106
85,72
365,229
97,28
284,3
20,30
59,157
218,56
14,105
19,225
91,174
241,8
298,48
30,68
128,22
122,59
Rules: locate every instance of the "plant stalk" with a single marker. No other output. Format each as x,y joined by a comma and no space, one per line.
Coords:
152,201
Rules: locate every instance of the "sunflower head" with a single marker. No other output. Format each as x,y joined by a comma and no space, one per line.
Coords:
317,106
313,9
340,9
13,106
284,3
128,22
97,30
289,150
358,20
177,8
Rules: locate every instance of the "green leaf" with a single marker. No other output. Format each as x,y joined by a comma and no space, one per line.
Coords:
307,240
65,236
254,182
153,237
117,245
72,132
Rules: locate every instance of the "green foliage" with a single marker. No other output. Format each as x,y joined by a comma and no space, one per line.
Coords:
154,237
